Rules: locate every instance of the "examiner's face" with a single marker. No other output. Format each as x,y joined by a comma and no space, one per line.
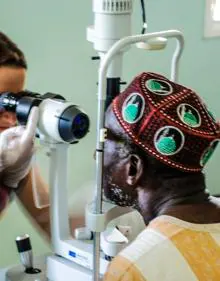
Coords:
12,79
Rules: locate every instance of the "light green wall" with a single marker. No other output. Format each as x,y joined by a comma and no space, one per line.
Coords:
53,37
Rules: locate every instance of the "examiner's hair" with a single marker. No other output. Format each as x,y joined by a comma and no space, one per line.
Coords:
10,54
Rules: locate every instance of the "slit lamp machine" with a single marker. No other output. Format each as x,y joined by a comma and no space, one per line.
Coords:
61,124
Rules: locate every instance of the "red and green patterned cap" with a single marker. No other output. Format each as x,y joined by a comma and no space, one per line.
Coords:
168,121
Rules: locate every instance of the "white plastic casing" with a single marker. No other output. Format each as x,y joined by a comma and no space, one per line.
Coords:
113,241
111,24
50,111
112,21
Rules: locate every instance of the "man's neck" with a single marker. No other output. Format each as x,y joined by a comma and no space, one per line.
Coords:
194,207
205,213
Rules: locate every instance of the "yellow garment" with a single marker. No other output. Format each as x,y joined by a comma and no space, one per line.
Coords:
170,249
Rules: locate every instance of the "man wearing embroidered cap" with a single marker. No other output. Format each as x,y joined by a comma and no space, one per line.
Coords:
160,136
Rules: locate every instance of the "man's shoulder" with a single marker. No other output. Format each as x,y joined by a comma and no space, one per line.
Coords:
138,257
121,269
173,245
146,241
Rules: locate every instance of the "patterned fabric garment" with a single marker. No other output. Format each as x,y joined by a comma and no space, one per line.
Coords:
170,249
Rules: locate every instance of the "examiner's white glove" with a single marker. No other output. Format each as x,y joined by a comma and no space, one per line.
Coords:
17,149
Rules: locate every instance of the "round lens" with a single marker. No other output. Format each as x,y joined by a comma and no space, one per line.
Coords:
80,125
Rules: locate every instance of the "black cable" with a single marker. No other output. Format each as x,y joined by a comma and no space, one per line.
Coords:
143,17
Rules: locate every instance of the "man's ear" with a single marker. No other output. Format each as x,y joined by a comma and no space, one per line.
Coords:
134,169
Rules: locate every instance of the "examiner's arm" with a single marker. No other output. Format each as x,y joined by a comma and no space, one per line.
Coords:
41,217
